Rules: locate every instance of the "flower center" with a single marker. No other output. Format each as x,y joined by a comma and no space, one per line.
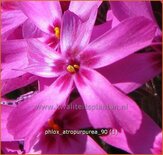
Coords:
57,32
73,68
53,125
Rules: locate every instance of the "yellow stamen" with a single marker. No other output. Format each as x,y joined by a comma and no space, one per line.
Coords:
53,125
57,32
76,66
70,69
